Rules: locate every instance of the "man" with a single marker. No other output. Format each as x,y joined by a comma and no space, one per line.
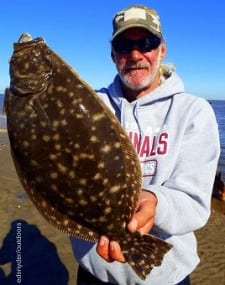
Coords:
176,137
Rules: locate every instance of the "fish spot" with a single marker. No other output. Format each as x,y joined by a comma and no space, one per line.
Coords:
75,160
83,202
69,200
98,117
97,176
62,111
79,116
55,124
26,65
105,181
114,189
26,144
71,174
83,181
57,146
56,137
100,194
70,94
117,145
107,210
54,175
43,204
86,155
63,122
94,139
76,146
43,123
106,148
66,222
53,156
93,198
110,227
102,219
60,89
34,163
101,165
62,168
80,192
79,86
33,116
62,195
90,234
123,136
127,156
67,150
46,138
54,187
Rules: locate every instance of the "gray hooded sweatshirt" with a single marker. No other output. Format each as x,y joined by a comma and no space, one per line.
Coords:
176,137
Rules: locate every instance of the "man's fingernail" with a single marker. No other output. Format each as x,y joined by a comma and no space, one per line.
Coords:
102,241
112,248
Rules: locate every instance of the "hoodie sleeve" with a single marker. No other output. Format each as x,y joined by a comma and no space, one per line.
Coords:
184,198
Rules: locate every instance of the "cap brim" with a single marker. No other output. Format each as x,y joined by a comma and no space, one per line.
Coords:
136,25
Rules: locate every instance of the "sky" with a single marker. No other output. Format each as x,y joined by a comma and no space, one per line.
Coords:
80,32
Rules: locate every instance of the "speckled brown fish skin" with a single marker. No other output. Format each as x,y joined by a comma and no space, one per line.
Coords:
71,154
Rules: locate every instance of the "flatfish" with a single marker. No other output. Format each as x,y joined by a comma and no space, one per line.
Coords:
71,154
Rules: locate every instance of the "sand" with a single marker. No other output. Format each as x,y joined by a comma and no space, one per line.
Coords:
46,252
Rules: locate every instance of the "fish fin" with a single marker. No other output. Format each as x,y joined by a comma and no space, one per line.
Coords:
55,217
143,252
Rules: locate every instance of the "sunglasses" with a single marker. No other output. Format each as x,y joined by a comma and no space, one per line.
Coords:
146,44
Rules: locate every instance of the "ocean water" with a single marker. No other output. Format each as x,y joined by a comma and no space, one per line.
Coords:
219,109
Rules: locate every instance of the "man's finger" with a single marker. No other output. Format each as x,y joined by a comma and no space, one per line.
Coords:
103,248
115,252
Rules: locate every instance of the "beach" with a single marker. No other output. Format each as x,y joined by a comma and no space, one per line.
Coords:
30,247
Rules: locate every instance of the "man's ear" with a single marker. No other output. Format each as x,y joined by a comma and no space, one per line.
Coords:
112,56
163,49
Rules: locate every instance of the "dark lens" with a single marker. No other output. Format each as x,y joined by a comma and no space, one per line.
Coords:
146,44
122,45
149,43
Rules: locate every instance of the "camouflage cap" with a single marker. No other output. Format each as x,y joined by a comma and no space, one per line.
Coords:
137,16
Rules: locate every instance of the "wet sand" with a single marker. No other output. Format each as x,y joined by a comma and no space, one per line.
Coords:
45,249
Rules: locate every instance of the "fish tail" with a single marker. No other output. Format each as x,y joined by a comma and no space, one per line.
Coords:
143,252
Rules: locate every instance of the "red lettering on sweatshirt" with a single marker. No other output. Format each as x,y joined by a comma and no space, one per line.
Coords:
150,146
163,140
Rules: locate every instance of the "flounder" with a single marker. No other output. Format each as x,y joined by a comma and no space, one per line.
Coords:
71,154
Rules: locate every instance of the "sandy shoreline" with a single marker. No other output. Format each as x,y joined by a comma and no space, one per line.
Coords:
16,206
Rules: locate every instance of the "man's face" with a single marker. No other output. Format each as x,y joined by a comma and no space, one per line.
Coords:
138,68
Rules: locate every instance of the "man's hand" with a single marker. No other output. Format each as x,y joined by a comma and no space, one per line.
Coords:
142,221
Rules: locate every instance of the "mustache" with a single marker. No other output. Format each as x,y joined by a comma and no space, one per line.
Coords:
139,65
